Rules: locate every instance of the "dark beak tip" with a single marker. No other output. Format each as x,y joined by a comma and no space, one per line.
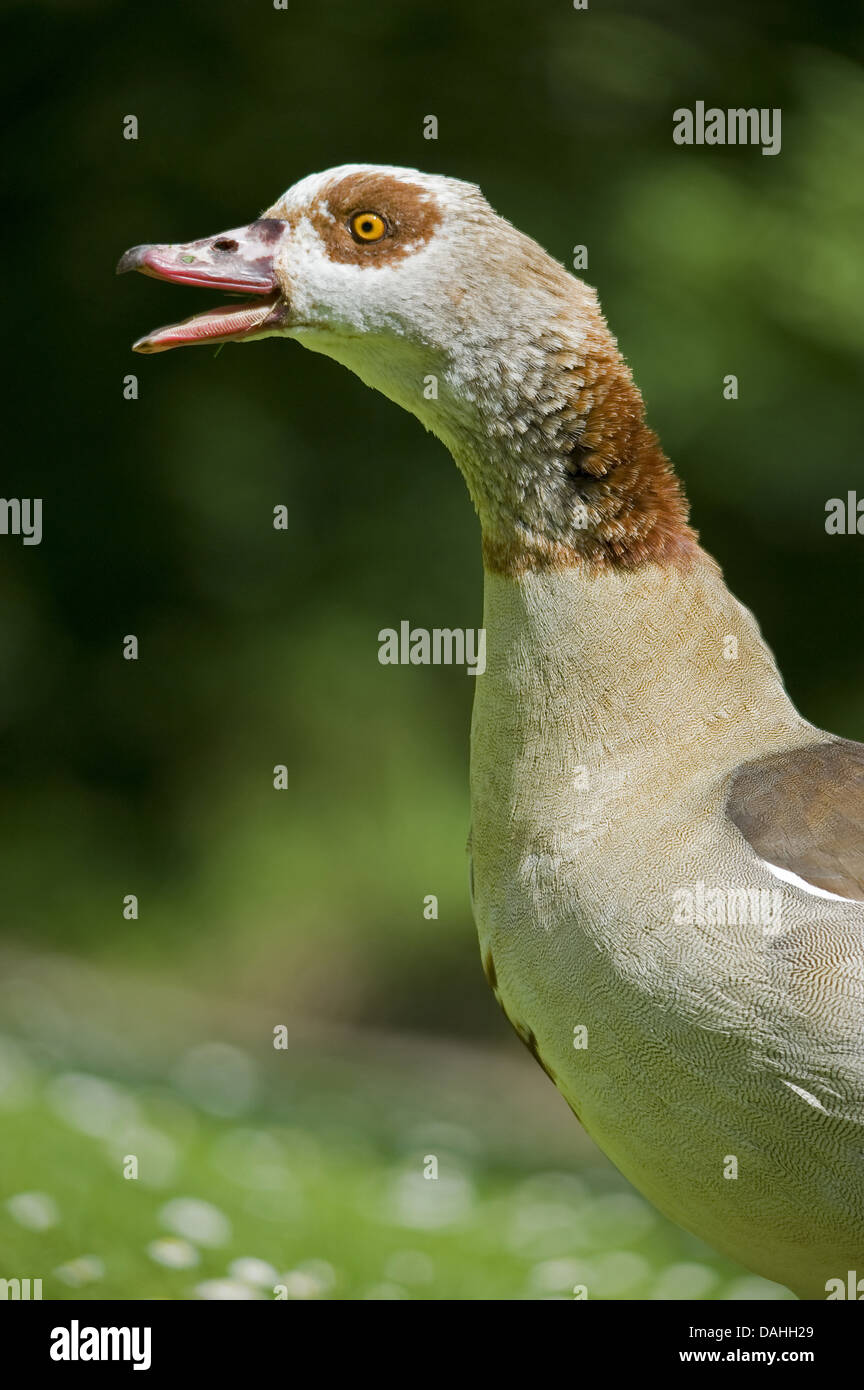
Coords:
131,259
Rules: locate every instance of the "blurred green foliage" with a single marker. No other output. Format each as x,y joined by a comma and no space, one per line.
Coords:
314,1190
258,647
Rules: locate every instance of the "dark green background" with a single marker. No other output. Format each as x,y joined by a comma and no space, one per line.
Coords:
259,647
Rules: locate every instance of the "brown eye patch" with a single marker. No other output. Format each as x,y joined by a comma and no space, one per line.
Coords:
407,213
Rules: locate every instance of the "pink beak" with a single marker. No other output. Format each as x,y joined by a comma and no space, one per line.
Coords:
241,261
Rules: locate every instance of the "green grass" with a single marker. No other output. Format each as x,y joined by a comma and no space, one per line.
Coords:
331,1197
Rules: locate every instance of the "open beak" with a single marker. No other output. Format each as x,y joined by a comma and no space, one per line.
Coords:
240,261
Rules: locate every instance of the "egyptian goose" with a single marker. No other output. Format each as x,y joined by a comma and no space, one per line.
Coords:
668,861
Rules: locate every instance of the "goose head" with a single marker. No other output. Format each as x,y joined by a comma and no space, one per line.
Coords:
414,283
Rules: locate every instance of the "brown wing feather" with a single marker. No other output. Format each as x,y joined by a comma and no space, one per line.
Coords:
803,810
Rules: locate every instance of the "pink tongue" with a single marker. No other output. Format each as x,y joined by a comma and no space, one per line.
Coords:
232,322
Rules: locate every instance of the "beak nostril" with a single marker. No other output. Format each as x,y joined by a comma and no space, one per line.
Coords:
225,243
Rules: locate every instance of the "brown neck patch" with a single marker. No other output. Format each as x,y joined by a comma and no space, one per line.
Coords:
410,212
615,500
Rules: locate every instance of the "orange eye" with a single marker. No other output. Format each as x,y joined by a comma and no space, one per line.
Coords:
367,226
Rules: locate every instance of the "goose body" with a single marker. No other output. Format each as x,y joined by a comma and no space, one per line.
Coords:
667,859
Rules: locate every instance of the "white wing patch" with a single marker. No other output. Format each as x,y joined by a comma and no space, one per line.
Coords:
799,1090
788,877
